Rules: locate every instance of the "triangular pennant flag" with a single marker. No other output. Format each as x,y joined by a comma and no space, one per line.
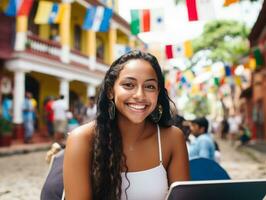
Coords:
200,10
43,12
25,7
146,20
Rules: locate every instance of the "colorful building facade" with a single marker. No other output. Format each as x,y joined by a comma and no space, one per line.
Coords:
255,95
57,59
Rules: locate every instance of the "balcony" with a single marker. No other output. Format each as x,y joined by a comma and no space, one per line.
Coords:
53,51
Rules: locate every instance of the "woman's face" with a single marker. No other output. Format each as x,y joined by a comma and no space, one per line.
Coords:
135,92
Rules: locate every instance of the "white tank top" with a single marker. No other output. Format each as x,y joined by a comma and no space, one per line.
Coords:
151,184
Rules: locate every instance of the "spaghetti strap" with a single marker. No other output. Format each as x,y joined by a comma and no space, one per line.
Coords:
159,144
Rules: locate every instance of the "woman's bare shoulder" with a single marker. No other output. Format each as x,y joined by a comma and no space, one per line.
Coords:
173,135
82,136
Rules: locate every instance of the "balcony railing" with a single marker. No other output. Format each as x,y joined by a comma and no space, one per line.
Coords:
52,50
45,48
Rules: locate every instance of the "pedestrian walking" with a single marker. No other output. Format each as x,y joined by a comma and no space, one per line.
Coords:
60,118
28,117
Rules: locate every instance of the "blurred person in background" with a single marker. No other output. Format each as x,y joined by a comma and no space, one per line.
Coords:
203,145
7,107
91,110
49,115
28,117
60,118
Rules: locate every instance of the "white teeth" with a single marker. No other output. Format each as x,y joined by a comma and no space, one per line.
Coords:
137,107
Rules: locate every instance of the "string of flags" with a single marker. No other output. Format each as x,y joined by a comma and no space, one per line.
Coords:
179,50
97,18
18,7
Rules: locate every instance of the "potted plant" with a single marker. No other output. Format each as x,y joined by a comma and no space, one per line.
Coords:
5,132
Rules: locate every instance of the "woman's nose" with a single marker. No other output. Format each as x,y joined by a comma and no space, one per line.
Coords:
140,92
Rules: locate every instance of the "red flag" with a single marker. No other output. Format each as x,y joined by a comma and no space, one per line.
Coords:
200,10
25,7
192,10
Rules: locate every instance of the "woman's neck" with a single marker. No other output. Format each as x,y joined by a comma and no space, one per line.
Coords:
131,132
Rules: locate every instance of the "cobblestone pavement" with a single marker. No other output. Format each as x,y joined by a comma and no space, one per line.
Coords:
22,176
242,162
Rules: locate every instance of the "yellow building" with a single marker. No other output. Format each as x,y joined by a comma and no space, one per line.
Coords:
58,59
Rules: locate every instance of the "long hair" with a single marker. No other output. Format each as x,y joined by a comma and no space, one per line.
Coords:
108,158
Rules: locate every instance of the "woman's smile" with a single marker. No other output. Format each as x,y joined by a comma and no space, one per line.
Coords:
137,107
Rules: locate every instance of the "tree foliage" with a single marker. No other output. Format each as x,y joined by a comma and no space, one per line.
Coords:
198,105
225,39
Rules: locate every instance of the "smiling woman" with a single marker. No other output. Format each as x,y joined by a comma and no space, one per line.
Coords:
130,151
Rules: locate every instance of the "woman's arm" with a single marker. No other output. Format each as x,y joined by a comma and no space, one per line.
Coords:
77,163
178,168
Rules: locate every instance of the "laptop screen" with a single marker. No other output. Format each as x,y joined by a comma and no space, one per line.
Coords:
218,190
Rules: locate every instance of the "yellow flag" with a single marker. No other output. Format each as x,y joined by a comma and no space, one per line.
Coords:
252,63
43,12
60,14
188,48
228,2
238,80
65,24
195,89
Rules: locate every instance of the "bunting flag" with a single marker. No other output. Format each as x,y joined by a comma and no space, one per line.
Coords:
229,2
238,80
259,57
43,12
146,20
59,16
97,19
227,70
12,7
252,63
200,10
180,50
54,13
25,7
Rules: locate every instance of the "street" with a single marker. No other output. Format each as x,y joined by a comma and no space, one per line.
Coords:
22,176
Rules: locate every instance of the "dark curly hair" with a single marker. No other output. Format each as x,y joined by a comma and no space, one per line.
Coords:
108,158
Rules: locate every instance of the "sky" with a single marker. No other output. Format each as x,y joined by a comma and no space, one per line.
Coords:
177,27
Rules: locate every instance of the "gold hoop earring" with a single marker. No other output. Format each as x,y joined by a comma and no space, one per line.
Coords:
111,110
157,113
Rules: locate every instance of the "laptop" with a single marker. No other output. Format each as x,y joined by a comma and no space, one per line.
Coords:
254,189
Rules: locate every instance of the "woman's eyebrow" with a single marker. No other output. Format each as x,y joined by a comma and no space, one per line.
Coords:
151,79
134,79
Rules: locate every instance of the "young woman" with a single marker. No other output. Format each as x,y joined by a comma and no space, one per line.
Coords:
130,151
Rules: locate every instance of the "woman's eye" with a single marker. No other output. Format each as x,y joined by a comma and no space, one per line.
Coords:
128,85
151,87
